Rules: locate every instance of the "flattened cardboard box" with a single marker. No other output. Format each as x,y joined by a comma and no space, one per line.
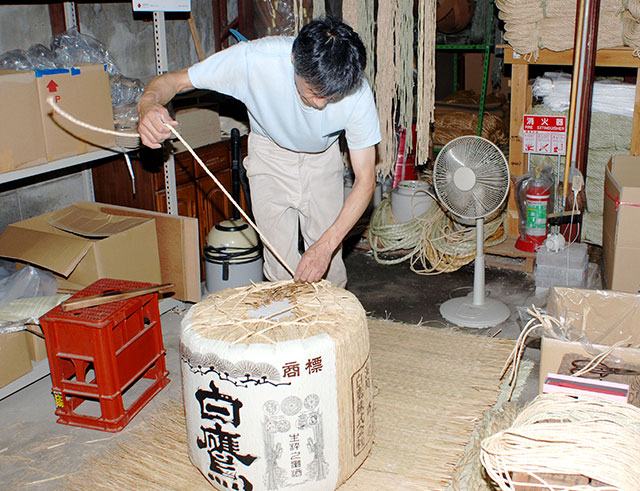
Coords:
199,126
81,245
620,230
604,318
22,141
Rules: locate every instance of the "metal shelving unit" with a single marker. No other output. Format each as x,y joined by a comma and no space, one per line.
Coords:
169,168
485,48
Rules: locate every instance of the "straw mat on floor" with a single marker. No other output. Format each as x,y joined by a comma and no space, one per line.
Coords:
431,388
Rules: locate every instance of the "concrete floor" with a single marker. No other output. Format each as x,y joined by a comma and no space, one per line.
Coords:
37,453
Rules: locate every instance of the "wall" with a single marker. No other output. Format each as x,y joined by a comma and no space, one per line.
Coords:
131,43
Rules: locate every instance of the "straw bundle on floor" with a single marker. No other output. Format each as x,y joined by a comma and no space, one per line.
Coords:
431,387
450,124
595,441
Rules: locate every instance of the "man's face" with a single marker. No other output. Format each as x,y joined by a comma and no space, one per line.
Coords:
308,96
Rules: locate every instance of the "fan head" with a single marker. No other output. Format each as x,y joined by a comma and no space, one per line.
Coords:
471,177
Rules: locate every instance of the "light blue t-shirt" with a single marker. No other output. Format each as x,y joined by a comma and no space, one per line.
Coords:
260,74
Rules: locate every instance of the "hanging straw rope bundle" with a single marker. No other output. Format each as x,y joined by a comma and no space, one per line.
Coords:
426,77
385,86
588,438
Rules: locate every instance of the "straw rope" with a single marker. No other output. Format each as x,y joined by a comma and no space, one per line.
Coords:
548,325
560,434
434,242
426,77
319,8
532,25
61,112
385,86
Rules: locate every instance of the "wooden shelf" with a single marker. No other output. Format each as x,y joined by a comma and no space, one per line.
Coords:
611,57
521,103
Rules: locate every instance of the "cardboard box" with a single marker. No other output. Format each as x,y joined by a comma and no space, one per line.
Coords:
83,92
80,245
22,141
177,245
603,318
199,126
14,357
32,134
620,231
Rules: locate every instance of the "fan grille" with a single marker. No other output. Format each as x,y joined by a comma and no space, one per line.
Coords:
471,177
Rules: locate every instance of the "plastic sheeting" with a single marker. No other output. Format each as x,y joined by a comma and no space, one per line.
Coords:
609,96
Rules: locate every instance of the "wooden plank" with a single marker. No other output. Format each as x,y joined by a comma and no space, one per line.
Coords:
506,256
635,131
520,102
612,57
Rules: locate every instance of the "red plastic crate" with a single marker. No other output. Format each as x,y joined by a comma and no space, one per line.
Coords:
106,361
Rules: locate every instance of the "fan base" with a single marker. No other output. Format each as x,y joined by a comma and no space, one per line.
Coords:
461,312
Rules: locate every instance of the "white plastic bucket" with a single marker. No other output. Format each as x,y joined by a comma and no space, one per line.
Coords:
409,200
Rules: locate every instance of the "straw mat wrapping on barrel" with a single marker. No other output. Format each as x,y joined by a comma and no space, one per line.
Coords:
431,387
283,369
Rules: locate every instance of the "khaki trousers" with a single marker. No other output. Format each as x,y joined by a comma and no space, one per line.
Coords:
290,188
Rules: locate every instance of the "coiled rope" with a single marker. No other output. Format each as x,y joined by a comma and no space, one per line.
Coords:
434,242
558,434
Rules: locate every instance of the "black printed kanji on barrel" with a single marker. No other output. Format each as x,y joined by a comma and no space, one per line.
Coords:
223,446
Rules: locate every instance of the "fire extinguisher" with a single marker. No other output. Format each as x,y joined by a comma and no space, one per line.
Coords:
534,198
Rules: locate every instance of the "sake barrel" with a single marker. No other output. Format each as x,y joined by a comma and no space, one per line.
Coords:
277,386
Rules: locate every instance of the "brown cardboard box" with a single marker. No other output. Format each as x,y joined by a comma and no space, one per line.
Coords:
620,230
177,245
14,357
199,126
602,317
81,245
22,140
83,92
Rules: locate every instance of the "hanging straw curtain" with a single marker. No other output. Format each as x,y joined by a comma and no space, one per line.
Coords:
319,9
426,76
391,61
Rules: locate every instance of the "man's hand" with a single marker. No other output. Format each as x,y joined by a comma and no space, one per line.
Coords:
314,262
151,111
151,127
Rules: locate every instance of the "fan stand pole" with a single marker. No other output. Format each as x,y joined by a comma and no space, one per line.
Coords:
478,267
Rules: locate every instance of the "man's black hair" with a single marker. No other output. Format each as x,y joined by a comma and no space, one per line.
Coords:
330,57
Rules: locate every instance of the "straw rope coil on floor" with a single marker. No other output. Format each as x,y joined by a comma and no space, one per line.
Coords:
434,242
558,434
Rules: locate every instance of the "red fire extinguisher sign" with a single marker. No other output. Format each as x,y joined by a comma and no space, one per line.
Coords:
544,134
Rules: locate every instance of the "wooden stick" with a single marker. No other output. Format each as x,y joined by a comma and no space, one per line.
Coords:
233,201
577,57
196,38
94,300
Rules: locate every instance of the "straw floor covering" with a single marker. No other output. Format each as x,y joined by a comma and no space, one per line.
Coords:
432,387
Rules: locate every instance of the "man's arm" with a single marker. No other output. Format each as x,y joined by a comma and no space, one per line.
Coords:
316,259
151,110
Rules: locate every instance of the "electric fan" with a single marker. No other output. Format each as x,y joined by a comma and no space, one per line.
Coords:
471,180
